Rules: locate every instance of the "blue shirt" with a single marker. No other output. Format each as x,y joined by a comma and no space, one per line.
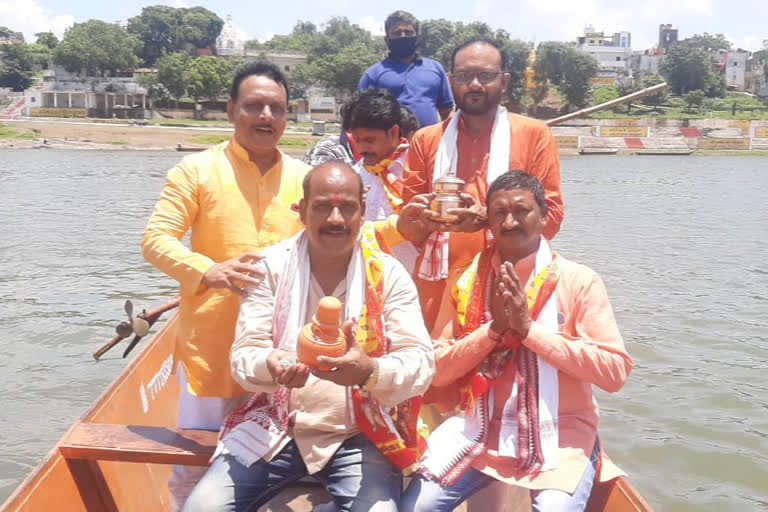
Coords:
422,85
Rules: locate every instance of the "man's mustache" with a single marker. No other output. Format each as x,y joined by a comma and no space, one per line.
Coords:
329,230
475,93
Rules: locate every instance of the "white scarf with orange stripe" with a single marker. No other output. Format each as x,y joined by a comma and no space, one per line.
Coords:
434,264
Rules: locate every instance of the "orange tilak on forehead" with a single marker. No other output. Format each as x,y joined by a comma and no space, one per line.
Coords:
336,199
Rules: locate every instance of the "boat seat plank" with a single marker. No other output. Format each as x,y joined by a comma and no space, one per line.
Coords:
134,443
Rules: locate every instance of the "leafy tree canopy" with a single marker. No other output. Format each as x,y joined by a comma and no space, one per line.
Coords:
164,29
97,47
561,65
47,39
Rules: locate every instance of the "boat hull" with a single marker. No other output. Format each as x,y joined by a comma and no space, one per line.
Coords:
146,393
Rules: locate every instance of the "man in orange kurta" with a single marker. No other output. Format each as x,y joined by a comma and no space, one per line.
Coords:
580,342
236,199
478,83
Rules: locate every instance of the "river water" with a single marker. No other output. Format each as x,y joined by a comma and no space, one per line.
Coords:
679,241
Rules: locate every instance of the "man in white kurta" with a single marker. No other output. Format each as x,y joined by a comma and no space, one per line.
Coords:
310,426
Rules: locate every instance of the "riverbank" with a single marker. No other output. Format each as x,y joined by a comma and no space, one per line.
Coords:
58,134
590,136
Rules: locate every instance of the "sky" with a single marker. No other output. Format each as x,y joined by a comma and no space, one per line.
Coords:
742,21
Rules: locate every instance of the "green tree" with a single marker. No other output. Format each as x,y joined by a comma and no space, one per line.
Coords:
344,68
15,66
208,78
435,34
707,42
155,89
47,39
164,29
156,27
300,79
199,27
97,47
171,73
687,69
568,69
688,65
656,99
694,98
625,88
576,86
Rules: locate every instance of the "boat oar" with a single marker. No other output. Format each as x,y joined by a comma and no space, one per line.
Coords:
123,331
149,317
139,326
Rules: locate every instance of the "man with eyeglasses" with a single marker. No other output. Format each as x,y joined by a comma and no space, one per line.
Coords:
479,143
417,82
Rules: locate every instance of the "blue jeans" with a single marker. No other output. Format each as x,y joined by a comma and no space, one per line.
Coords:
423,495
358,477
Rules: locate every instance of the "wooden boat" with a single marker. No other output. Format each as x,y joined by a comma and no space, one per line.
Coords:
179,147
117,456
598,151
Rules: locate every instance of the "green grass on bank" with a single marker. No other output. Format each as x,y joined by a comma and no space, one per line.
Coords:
118,142
731,152
211,139
680,113
9,132
189,122
208,139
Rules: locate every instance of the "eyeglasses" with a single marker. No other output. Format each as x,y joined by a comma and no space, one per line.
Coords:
484,77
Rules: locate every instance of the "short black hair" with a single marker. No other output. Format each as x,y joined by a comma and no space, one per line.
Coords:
375,109
399,17
305,185
257,68
479,39
408,121
519,179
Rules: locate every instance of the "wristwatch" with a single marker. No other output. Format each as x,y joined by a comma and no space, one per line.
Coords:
372,379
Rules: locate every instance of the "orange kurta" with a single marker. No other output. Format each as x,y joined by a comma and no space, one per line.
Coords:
231,208
588,350
532,149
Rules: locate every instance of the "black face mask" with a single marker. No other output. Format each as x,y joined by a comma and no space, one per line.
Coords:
403,46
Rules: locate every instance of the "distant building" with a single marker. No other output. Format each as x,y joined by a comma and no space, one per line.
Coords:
286,61
613,55
756,74
645,63
65,94
622,39
667,37
8,36
230,43
735,69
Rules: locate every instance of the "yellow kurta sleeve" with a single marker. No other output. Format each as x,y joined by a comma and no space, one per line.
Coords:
387,229
174,213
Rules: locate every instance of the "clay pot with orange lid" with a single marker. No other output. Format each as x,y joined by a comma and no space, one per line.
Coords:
323,336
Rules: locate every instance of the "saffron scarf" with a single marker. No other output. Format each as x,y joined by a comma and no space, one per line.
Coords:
255,428
529,420
434,264
393,184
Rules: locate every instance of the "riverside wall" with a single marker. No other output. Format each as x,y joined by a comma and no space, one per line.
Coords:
662,134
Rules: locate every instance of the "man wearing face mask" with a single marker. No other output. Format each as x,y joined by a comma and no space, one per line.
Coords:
417,82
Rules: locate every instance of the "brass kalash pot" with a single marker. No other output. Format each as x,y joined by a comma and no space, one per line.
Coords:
447,189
